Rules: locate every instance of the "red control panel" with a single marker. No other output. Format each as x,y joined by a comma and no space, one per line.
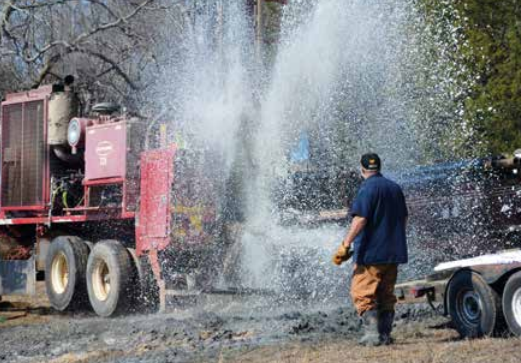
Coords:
106,151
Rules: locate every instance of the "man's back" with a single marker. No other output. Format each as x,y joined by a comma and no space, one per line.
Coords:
383,240
378,234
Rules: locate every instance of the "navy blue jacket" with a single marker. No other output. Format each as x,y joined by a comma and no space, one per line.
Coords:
383,239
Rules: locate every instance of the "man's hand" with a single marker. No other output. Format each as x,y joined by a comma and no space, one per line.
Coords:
342,255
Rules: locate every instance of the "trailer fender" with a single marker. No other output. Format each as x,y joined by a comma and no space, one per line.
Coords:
497,274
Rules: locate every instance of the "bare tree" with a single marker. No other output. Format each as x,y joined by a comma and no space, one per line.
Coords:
106,43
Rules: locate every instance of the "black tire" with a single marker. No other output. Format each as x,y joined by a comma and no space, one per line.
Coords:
512,303
65,267
109,278
474,307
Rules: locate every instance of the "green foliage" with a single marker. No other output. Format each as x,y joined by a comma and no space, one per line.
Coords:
493,56
487,35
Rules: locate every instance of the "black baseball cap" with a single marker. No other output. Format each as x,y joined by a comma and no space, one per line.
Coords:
371,162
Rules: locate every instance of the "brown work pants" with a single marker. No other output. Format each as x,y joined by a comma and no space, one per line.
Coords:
372,287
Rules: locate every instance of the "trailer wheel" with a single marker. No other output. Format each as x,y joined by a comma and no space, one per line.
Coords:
65,266
473,305
512,303
109,278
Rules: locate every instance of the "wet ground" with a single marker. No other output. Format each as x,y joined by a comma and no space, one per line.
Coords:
235,326
229,329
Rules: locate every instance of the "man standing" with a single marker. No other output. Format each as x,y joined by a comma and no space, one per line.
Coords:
378,233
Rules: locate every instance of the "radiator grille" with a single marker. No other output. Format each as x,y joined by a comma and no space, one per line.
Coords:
22,154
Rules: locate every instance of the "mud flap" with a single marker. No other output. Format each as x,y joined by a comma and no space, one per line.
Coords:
156,268
18,277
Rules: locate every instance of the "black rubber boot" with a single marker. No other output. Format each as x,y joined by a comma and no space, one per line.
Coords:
371,337
385,326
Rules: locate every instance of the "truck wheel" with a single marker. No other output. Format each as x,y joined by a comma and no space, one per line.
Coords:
512,303
473,305
65,266
109,278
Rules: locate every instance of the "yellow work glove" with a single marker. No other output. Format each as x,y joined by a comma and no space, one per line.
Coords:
342,255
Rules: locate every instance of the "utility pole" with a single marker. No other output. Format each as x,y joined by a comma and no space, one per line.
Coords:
220,26
258,28
256,7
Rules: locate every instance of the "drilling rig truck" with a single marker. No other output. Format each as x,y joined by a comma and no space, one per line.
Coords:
85,207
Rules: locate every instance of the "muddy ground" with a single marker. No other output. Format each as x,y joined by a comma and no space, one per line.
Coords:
234,329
